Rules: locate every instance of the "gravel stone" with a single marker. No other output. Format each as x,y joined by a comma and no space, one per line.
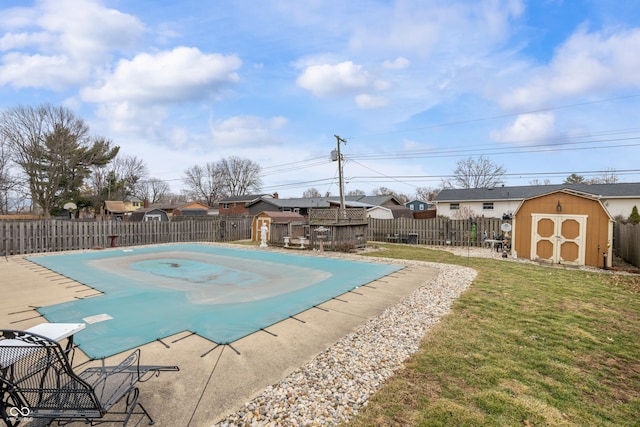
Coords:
338,382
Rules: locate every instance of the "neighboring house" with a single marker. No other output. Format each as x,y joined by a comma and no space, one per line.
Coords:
169,208
302,206
192,209
149,214
115,209
379,212
502,202
421,209
417,205
564,227
237,205
133,204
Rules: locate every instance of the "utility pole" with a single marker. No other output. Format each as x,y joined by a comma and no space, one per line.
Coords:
344,141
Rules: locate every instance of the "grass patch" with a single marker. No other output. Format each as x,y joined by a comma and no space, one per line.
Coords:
525,345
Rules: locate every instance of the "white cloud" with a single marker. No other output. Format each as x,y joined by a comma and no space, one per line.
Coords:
124,118
340,79
11,41
419,29
397,64
52,72
182,74
135,98
527,129
62,42
370,101
245,131
587,62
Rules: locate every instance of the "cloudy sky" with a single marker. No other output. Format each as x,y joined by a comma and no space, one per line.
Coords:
543,87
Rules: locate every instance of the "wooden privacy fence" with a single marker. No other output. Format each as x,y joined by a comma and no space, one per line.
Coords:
25,237
434,231
626,242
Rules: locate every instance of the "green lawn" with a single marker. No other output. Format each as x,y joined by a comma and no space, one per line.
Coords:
526,345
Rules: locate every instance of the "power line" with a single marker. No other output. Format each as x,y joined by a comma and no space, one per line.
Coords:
500,116
458,151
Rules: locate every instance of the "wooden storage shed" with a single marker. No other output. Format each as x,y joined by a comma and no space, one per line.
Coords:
268,217
149,214
564,227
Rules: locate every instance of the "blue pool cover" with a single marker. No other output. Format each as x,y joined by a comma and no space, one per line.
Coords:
220,293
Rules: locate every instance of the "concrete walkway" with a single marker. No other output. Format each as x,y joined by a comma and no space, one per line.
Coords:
213,380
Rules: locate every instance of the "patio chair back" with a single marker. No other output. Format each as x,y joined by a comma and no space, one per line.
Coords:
36,373
37,381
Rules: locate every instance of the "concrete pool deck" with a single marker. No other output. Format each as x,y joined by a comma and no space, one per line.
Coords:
213,381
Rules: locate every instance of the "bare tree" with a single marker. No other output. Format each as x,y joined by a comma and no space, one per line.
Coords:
6,180
204,183
131,170
153,190
55,151
464,212
384,191
14,194
608,177
234,176
124,176
478,173
426,194
355,192
239,176
311,193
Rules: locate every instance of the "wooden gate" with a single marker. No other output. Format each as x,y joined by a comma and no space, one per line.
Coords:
559,239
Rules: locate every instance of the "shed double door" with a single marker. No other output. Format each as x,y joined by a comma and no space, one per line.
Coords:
559,239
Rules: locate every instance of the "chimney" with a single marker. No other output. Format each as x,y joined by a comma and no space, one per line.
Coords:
145,204
275,195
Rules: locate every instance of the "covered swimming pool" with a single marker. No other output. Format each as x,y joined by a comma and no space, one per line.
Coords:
220,293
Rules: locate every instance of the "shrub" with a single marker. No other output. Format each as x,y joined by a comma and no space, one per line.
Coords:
635,216
345,247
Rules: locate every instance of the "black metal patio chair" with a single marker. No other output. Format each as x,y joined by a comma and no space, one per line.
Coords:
38,383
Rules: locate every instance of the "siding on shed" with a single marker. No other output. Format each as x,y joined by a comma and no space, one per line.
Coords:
599,224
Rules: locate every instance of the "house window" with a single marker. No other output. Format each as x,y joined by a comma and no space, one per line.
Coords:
296,210
454,206
411,207
421,206
225,206
487,206
153,217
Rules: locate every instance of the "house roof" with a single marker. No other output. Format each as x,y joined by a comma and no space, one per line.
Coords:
163,206
193,206
283,216
572,192
619,190
114,206
141,213
401,212
247,198
325,202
